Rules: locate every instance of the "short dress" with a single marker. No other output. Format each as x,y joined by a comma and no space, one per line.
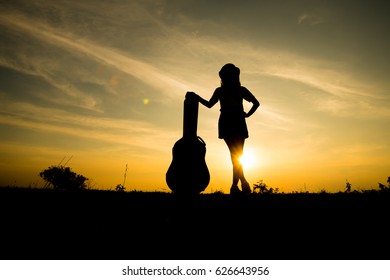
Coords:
232,123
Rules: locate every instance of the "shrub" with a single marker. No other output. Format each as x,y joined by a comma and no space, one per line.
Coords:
261,188
384,188
348,187
120,188
63,178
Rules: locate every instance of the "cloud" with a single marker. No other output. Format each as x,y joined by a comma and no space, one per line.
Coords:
147,73
333,85
73,95
272,119
310,19
339,90
130,133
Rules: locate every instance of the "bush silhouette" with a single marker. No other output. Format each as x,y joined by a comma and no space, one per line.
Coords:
262,188
348,187
384,188
120,188
63,178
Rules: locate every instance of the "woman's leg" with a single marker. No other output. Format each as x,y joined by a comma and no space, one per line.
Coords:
236,148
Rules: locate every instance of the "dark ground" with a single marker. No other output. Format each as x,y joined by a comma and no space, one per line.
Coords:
47,224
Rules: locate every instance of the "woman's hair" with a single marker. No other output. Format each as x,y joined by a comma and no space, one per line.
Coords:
230,75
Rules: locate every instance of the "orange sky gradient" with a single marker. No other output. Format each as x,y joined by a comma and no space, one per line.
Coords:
101,85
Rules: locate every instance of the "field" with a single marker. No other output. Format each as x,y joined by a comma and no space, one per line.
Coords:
50,224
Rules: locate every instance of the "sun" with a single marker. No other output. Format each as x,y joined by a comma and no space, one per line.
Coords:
247,159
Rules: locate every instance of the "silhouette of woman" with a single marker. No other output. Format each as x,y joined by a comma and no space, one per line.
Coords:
232,124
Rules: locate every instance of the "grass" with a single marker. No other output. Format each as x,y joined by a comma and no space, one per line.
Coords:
94,224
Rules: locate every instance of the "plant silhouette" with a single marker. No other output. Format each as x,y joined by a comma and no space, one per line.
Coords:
63,178
348,187
262,188
384,188
120,188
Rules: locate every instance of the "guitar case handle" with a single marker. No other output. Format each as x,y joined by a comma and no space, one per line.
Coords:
201,140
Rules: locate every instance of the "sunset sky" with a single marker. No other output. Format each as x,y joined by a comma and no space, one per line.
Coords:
101,84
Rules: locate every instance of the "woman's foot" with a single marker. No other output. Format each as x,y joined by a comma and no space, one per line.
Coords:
245,188
234,190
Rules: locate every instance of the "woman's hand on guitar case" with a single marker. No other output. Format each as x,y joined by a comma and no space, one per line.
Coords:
193,95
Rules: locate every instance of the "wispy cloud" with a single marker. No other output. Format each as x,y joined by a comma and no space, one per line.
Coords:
338,89
147,73
310,19
72,95
130,133
291,67
275,120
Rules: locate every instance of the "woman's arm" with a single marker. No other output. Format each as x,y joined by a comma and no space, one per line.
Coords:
255,105
248,96
210,103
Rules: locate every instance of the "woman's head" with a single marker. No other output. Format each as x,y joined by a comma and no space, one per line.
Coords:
229,74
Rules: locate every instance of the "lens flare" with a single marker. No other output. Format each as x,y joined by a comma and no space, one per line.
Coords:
247,159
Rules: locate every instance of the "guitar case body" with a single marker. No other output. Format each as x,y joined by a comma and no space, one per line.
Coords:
188,173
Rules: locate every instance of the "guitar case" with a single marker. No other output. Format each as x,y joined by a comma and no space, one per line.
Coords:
188,173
